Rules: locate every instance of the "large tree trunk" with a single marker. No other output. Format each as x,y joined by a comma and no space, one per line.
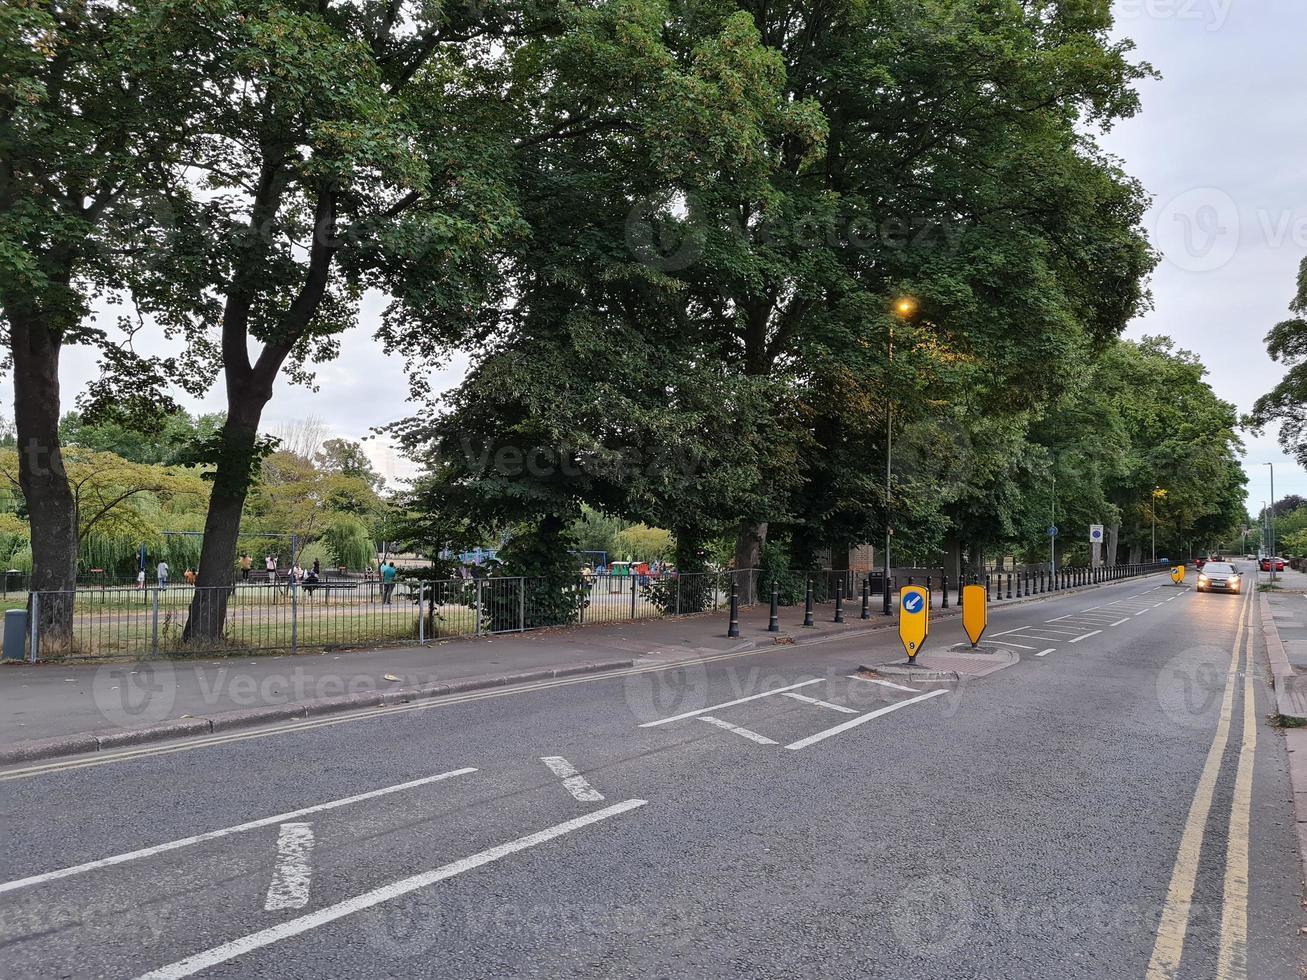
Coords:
1110,545
217,572
51,509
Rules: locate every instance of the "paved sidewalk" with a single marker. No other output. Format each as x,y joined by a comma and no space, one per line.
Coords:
61,709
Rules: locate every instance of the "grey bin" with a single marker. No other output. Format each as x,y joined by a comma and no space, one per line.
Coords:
15,634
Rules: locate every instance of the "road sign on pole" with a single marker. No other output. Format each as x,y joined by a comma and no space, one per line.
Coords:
914,618
975,615
1095,534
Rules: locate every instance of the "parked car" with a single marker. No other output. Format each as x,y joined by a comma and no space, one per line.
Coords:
1268,561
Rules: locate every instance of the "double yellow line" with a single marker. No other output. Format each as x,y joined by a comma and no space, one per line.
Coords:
1232,957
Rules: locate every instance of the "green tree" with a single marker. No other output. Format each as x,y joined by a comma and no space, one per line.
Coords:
94,98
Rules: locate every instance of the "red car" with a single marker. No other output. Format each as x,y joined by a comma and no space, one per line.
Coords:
1266,564
1199,563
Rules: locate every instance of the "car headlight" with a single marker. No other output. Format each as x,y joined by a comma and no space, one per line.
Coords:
1202,579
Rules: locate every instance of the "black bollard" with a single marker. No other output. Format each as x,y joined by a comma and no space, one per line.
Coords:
989,583
774,620
807,606
943,587
734,629
884,589
839,601
866,597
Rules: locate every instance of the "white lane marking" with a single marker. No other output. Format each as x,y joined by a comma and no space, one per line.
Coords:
819,702
304,923
1005,643
1059,618
1073,630
803,743
573,781
897,687
1006,632
1126,620
751,735
1142,611
728,704
145,852
1086,636
290,881
1045,653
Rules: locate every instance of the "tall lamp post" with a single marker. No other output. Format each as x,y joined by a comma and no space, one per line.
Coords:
1157,492
904,307
1270,520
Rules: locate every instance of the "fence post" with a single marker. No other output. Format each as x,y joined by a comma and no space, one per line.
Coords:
295,616
521,602
478,624
34,644
635,578
678,592
154,623
422,612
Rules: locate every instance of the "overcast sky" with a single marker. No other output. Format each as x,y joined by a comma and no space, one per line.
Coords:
1221,145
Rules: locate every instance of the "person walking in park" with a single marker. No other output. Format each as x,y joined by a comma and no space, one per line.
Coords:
388,576
270,565
246,564
162,573
140,577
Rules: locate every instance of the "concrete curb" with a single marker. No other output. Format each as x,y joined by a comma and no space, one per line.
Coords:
1290,691
225,721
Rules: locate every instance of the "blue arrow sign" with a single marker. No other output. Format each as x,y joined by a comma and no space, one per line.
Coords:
1052,532
913,602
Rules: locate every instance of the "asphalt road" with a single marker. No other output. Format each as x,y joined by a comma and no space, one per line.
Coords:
1116,806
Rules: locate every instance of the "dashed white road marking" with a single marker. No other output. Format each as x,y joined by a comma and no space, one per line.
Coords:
1062,629
145,852
897,687
1006,643
803,743
290,880
573,781
728,704
1126,620
1045,653
817,701
1142,611
305,923
751,735
1086,636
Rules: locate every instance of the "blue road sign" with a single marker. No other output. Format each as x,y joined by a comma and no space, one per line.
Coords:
913,602
1052,532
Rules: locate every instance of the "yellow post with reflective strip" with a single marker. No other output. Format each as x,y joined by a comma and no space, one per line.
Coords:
914,618
975,612
1177,574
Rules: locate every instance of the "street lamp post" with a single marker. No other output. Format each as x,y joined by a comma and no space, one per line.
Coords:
903,307
1270,520
1052,525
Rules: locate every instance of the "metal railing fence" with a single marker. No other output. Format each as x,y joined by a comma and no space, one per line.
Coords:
261,616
